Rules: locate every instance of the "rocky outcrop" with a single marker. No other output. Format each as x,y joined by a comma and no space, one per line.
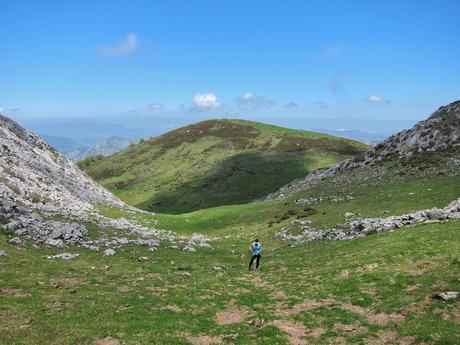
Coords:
439,133
30,225
36,176
39,185
354,228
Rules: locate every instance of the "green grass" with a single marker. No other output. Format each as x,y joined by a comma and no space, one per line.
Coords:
125,299
215,163
392,275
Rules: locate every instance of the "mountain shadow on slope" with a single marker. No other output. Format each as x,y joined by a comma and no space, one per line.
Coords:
236,180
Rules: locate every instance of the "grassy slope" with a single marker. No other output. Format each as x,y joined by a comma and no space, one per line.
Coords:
213,163
393,273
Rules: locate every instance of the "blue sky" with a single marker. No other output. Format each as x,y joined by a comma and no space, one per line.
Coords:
275,61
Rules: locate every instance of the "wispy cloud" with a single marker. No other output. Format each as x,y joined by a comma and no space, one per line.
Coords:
251,102
331,52
156,106
1,110
336,82
320,104
125,46
378,99
206,101
292,105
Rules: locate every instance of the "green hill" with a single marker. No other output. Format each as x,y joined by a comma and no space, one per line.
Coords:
215,162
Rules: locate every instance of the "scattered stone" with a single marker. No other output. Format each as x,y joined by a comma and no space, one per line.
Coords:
256,323
63,256
91,247
15,240
349,216
142,258
362,227
54,243
189,248
2,253
445,296
109,252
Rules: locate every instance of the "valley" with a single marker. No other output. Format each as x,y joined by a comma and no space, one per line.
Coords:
181,277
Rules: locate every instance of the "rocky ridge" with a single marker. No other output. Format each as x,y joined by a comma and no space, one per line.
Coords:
356,227
38,184
39,177
439,133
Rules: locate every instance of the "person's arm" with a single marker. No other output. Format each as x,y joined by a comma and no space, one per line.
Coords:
251,248
260,248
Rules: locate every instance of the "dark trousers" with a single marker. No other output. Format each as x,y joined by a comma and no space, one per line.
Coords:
254,257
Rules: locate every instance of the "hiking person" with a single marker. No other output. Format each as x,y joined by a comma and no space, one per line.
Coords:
256,251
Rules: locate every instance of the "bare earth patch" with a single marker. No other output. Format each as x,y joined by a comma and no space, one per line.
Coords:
295,330
366,268
380,319
279,294
18,293
124,289
57,305
413,287
341,328
233,314
389,337
203,340
306,305
106,341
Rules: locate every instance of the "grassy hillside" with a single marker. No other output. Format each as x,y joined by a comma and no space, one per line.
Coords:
213,163
372,290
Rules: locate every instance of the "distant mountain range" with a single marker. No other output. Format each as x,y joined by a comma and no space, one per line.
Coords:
370,138
78,149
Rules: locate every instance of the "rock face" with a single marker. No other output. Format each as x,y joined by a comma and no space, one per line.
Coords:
355,227
37,183
35,175
36,180
439,133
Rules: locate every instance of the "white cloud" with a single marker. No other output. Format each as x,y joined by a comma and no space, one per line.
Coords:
378,99
206,101
252,102
156,106
125,46
1,110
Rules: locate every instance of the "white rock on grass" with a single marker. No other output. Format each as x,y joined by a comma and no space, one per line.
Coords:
447,295
2,253
109,252
362,227
63,256
15,240
189,248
